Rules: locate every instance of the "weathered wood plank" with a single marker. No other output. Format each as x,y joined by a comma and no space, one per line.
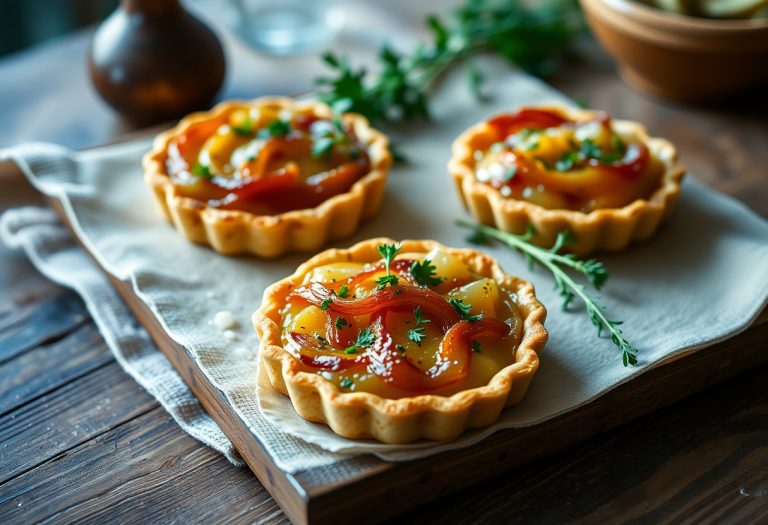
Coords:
39,323
356,494
39,371
67,417
691,462
145,470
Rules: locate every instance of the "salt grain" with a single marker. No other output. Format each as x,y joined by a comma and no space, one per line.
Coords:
224,320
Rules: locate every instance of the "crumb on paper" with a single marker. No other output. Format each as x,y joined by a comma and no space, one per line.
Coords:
231,335
224,320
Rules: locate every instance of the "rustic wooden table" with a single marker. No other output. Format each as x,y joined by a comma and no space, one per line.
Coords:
79,440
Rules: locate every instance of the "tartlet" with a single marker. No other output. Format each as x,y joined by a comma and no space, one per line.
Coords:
557,168
433,342
269,176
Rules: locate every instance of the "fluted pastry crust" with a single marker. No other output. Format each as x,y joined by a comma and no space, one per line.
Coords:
610,229
234,232
365,415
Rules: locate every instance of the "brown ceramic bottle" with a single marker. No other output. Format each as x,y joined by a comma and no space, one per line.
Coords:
152,61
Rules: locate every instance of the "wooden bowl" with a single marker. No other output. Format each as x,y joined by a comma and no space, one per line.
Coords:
680,57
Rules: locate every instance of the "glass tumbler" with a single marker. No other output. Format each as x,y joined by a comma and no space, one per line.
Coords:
288,27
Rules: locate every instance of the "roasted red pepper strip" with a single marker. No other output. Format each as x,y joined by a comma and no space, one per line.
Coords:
402,267
434,305
527,118
452,361
313,353
381,357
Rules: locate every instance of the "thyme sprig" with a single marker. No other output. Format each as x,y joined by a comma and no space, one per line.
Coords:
566,285
529,36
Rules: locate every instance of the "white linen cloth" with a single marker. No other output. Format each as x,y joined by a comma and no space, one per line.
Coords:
703,278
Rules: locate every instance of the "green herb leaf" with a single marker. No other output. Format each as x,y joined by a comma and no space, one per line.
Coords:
424,273
475,346
343,291
567,287
618,144
464,310
322,146
199,170
530,35
326,303
386,280
419,316
416,334
245,128
340,323
365,338
567,161
276,128
346,383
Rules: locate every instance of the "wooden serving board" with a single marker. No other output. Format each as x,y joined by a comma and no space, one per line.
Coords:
364,487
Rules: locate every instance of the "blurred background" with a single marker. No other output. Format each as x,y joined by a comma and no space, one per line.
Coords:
27,22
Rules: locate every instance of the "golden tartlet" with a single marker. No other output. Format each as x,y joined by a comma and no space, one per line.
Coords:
400,342
556,168
267,177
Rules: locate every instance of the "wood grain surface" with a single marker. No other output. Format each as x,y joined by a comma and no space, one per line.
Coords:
80,441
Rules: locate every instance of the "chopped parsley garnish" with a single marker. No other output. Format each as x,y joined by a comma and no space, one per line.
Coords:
326,303
567,161
399,348
364,339
340,323
386,280
388,253
343,291
424,273
416,334
199,170
589,150
618,144
475,345
346,383
245,128
276,128
330,136
464,310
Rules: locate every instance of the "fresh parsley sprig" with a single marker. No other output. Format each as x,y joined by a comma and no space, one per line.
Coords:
388,253
425,273
417,334
566,286
365,338
276,128
464,310
532,37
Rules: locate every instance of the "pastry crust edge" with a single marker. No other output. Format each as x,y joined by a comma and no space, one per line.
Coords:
357,415
233,232
610,229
